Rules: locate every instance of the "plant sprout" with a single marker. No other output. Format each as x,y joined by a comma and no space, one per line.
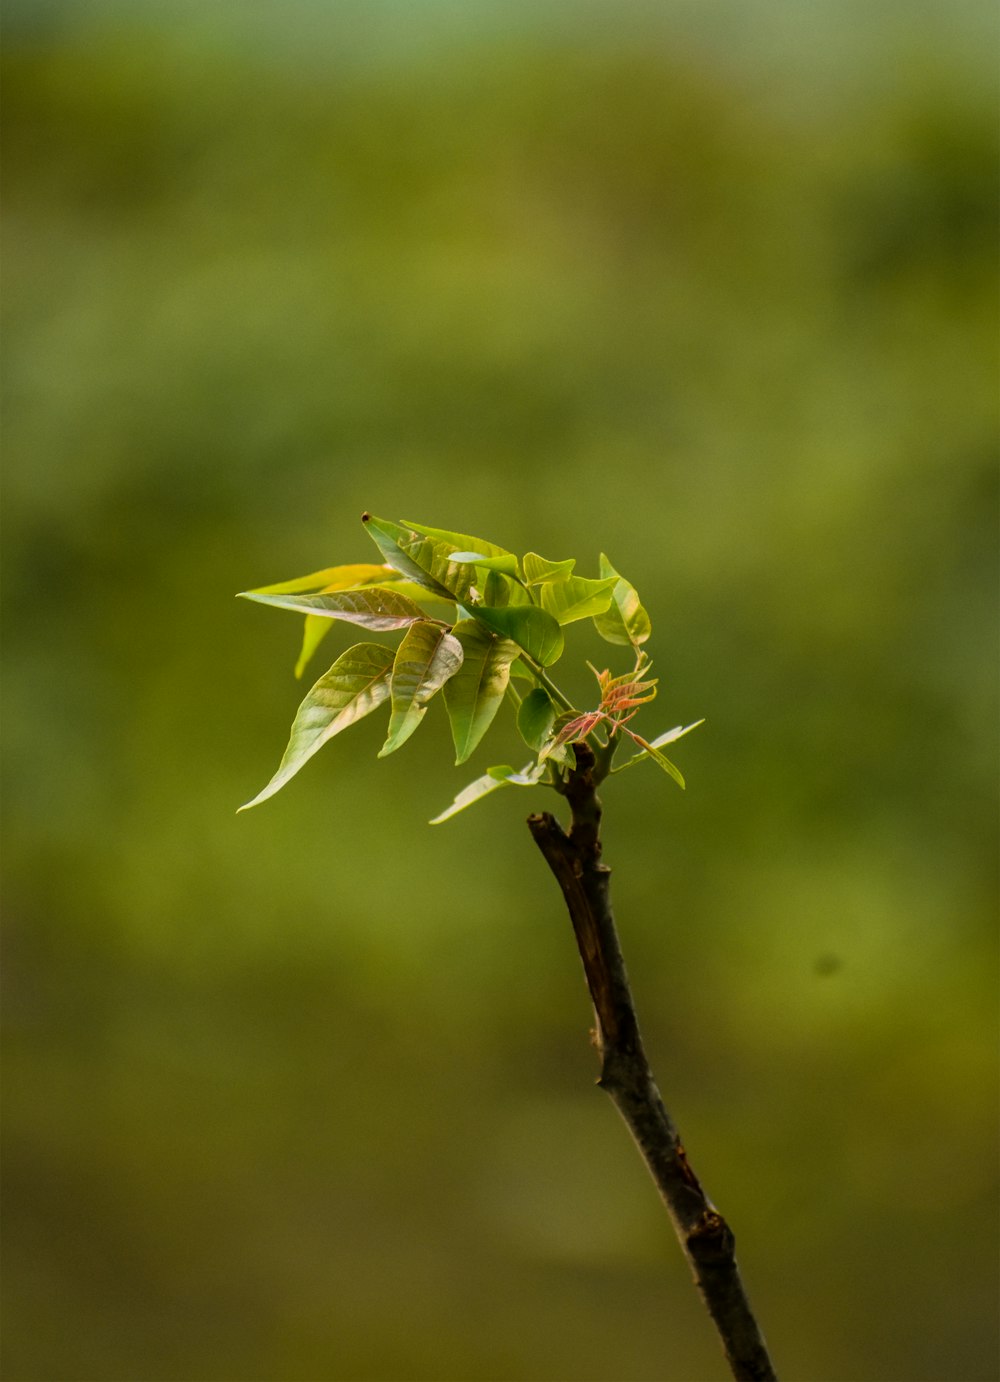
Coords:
477,622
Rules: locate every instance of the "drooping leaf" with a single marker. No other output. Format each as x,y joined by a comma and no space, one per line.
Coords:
373,607
356,684
491,781
533,629
670,737
473,695
576,597
332,578
536,717
314,631
625,622
425,659
539,571
660,759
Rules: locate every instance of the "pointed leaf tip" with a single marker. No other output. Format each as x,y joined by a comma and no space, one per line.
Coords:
491,781
372,606
473,695
426,659
356,684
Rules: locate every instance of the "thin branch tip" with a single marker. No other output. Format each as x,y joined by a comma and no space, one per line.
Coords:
625,1075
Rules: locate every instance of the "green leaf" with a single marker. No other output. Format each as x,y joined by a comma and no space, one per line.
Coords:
316,627
530,627
356,684
332,578
539,571
426,558
660,759
412,557
418,592
536,717
670,737
491,781
499,589
625,622
577,598
459,542
374,607
336,578
425,659
506,563
473,695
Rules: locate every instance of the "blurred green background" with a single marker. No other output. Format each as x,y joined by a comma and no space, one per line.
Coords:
306,1095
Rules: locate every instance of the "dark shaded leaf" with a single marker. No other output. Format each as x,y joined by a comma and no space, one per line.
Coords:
473,695
536,717
533,629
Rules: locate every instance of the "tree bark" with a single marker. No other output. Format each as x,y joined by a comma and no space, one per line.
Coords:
705,1237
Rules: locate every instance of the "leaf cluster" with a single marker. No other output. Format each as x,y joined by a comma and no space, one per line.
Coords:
474,618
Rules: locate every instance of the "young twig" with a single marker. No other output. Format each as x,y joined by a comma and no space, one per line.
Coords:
704,1235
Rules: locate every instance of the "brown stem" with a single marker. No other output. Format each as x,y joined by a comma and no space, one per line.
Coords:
704,1235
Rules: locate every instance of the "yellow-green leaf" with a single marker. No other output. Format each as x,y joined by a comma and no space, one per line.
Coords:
625,622
314,631
332,578
459,542
426,555
539,571
507,562
576,598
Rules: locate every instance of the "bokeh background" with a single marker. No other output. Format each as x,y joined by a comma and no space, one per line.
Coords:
306,1095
